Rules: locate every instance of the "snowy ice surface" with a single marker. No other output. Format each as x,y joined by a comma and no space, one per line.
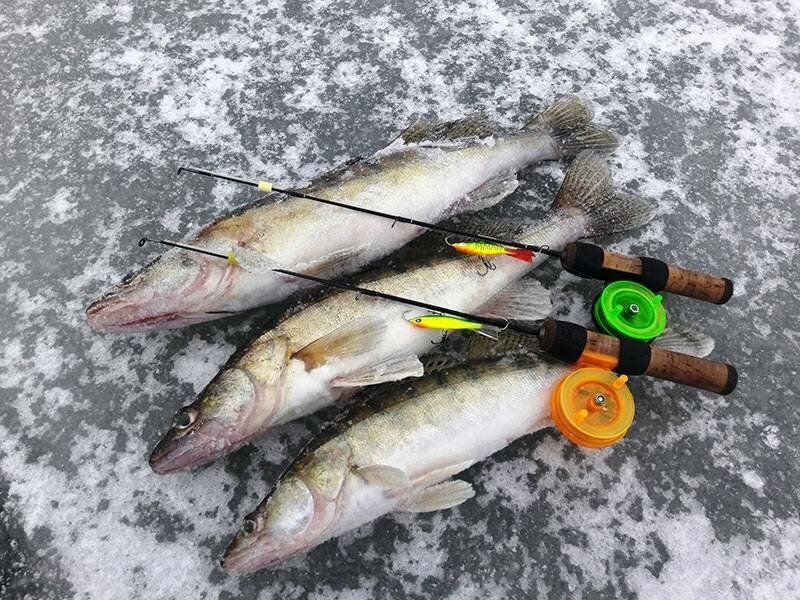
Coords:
102,100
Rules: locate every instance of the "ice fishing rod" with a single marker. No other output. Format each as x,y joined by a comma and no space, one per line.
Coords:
574,343
563,340
582,259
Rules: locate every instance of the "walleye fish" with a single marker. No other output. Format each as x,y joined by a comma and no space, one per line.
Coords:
430,172
325,351
400,453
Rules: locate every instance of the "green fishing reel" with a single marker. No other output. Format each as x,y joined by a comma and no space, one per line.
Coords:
628,309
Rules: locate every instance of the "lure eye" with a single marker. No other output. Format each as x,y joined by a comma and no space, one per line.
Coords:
417,320
249,526
184,418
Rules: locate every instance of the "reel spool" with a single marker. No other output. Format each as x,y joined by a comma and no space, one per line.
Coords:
629,309
592,407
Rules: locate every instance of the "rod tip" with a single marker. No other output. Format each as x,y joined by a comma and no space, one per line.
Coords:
143,241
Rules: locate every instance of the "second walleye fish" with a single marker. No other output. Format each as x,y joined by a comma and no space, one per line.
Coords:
401,451
346,341
430,172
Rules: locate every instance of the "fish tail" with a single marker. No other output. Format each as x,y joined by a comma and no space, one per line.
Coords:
568,123
587,189
520,254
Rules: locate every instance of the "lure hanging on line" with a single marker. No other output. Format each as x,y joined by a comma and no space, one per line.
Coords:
491,250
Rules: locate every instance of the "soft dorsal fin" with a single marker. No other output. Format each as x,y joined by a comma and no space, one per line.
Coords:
471,127
347,341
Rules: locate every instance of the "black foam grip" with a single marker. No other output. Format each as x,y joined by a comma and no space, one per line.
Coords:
655,274
567,342
588,261
634,357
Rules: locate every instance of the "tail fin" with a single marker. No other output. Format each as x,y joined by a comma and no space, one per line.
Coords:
587,190
687,341
568,122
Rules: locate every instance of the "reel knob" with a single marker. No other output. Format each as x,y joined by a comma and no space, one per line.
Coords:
629,309
592,407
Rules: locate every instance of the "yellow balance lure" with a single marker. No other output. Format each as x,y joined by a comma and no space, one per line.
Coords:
448,323
487,249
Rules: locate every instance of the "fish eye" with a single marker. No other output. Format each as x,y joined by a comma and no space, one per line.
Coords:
249,526
184,418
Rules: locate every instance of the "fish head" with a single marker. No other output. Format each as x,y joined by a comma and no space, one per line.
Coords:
237,405
297,515
178,288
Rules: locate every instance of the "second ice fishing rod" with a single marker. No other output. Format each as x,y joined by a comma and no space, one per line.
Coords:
573,343
579,258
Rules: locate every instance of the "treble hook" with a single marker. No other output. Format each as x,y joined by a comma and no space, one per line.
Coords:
441,339
490,266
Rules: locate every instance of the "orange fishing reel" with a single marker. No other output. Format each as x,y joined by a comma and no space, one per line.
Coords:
592,407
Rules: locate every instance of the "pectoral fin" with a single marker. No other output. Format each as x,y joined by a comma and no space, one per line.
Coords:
440,496
348,341
383,476
391,369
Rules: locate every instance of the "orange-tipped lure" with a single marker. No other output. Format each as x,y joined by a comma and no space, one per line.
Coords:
488,250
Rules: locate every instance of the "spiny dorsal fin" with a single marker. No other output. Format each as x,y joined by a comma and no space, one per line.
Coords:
347,341
501,228
508,344
471,127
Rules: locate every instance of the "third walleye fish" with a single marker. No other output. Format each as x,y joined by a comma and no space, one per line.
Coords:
321,353
400,453
430,172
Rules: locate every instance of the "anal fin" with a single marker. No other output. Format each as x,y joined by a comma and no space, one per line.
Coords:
525,300
438,497
687,341
390,369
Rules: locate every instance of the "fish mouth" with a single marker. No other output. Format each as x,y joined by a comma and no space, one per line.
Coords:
114,313
165,295
260,553
171,455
